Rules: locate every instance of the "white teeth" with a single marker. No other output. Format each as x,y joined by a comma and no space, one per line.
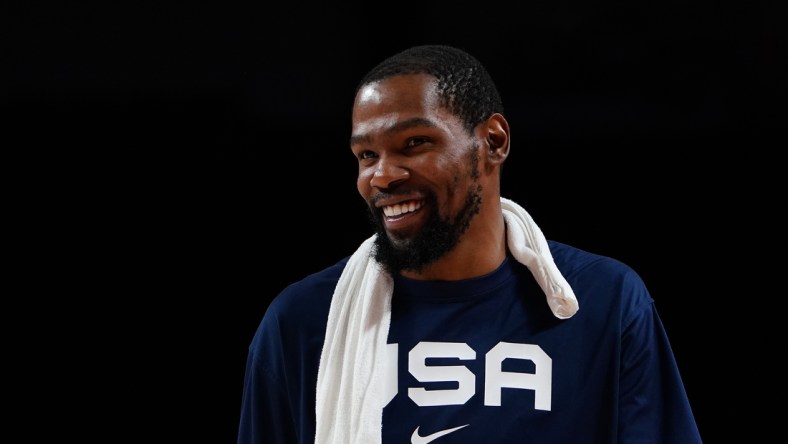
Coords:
397,209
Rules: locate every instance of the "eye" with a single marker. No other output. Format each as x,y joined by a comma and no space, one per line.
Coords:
416,141
366,154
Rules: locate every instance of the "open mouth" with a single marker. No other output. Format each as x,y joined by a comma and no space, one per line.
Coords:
402,208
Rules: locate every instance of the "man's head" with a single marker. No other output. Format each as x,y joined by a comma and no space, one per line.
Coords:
430,139
463,84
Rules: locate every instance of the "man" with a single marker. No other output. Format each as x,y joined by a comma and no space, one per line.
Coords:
457,321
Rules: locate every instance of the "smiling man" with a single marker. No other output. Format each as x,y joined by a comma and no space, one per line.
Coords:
457,320
419,172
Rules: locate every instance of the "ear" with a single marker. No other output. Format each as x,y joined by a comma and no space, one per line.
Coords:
497,129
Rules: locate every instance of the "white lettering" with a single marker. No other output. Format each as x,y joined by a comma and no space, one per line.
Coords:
541,381
495,379
391,373
419,369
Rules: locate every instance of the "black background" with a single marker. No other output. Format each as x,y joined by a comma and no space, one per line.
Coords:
190,160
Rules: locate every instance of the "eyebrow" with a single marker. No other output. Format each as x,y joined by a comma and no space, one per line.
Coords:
399,126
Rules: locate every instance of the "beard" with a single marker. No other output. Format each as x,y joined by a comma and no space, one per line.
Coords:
438,236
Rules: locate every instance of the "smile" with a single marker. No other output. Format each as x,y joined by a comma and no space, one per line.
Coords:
402,208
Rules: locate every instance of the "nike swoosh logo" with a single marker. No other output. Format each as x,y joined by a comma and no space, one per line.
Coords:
416,439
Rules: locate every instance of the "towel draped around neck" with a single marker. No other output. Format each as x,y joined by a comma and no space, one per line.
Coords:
350,388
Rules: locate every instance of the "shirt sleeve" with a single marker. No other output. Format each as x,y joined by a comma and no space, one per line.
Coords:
654,407
266,412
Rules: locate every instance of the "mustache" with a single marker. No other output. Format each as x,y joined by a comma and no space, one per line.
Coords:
380,195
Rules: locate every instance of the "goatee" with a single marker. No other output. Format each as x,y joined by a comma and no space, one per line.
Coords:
438,236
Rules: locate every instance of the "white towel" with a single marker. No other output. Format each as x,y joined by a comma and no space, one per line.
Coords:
349,404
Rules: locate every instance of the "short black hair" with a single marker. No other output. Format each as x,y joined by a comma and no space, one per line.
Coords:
465,87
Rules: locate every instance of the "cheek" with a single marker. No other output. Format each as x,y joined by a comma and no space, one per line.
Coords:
362,181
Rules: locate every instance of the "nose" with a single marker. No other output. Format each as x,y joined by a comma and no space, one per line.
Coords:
388,174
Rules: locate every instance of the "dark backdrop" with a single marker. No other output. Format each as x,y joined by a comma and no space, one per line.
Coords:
190,160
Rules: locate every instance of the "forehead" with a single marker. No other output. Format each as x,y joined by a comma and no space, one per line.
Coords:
400,93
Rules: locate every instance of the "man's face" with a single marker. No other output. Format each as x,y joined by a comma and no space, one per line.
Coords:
418,171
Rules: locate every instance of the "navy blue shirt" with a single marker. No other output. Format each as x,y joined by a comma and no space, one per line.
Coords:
485,360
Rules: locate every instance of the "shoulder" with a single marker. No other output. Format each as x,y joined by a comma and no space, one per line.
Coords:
597,276
311,293
572,260
297,316
290,335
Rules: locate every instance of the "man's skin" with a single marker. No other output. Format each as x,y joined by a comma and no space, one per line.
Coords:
408,146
